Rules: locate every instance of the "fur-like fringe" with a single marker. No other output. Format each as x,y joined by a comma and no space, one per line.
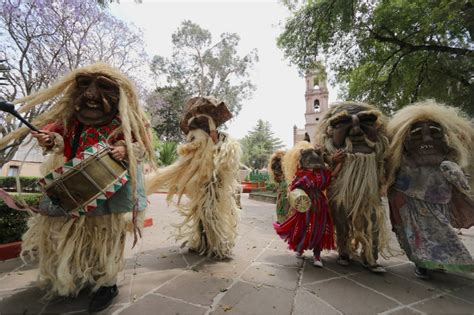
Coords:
459,132
74,254
193,167
207,175
291,159
356,189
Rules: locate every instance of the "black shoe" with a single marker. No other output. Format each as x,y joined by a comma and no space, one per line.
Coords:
421,273
102,298
343,260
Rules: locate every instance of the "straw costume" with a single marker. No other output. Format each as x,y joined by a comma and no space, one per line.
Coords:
428,192
355,195
90,104
275,170
310,226
206,172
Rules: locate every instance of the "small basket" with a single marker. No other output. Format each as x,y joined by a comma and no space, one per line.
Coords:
299,200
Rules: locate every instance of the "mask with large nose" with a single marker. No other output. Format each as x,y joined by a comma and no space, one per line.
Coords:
425,144
354,125
96,99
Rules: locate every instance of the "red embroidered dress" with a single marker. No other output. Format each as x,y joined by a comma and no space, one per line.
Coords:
89,136
314,228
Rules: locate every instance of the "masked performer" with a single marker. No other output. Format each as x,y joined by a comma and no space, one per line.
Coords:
91,104
428,192
355,195
276,175
310,227
206,172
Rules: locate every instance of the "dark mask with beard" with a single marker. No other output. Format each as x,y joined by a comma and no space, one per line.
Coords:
357,125
311,159
200,123
426,144
96,99
277,169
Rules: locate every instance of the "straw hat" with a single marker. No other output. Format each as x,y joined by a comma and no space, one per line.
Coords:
204,106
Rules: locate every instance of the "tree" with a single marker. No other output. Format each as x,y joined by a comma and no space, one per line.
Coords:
204,68
389,53
42,40
259,144
165,106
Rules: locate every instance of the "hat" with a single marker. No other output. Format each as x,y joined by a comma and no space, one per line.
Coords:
207,106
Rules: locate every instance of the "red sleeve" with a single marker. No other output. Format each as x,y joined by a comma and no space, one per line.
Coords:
328,174
54,127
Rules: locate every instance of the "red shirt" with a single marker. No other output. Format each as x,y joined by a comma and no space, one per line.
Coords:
89,136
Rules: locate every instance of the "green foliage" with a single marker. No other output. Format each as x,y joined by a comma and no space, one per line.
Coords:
257,176
28,183
270,186
167,153
202,67
258,145
13,222
165,107
389,53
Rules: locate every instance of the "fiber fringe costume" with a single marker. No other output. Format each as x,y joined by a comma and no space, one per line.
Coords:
275,170
74,253
206,173
425,204
312,229
355,195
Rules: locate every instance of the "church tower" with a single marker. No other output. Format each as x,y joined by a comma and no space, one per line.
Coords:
316,97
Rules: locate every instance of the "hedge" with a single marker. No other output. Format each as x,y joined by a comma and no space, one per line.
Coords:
13,222
256,176
28,183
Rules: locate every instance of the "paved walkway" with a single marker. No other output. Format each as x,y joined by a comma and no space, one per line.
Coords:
262,278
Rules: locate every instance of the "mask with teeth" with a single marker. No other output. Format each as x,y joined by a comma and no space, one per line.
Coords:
96,99
426,144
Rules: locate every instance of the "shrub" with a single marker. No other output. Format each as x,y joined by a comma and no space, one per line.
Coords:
270,186
13,222
257,176
28,183
167,153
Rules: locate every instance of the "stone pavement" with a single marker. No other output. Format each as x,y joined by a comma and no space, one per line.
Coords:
262,278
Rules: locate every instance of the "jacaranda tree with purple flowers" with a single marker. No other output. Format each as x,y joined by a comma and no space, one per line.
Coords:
42,40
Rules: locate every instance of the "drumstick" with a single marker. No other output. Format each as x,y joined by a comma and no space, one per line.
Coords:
10,108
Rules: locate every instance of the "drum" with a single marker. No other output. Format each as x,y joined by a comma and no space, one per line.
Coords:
82,184
299,200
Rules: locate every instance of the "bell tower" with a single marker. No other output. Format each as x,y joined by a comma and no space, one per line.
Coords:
316,96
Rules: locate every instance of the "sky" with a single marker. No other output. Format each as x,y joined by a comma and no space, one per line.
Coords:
279,97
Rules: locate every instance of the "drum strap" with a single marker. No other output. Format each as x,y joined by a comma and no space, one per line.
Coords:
15,204
75,140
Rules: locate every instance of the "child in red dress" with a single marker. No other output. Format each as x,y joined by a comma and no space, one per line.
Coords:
310,227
